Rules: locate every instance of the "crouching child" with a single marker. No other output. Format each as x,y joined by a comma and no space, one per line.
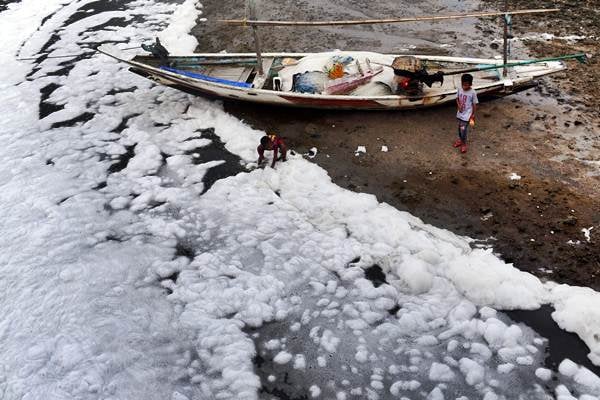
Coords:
272,143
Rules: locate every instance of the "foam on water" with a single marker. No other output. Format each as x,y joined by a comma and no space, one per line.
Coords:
125,278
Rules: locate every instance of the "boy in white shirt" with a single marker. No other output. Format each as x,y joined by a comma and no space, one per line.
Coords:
466,101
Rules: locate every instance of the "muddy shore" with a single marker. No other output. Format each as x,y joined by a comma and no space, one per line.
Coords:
550,136
534,222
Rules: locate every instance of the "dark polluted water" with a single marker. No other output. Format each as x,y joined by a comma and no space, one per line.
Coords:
561,344
5,3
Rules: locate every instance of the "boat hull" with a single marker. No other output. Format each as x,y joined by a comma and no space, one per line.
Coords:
499,88
284,100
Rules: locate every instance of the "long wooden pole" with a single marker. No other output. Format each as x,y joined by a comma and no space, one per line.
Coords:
259,63
505,48
252,22
581,57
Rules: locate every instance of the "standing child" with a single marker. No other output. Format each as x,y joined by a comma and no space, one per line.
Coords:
466,101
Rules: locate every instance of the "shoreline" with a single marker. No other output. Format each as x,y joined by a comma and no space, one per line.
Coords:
542,134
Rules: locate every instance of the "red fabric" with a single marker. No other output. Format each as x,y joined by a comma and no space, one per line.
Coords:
277,145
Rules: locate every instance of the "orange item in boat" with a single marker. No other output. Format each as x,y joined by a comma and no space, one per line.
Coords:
337,71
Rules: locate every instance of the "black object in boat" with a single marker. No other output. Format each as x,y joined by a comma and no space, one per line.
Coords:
158,51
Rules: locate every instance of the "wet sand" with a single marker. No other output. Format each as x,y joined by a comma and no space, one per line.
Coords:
543,135
528,221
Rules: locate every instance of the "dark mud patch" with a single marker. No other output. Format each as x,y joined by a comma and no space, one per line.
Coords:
123,160
113,22
375,274
153,204
115,91
173,277
47,107
124,123
80,119
561,344
216,151
114,238
5,3
96,7
184,249
100,185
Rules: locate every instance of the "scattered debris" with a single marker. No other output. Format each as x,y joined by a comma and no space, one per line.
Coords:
587,233
487,216
384,149
514,177
312,153
360,149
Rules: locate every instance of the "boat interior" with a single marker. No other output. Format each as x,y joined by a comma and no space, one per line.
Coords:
284,73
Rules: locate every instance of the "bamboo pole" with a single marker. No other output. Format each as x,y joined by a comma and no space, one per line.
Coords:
581,57
505,45
259,63
252,22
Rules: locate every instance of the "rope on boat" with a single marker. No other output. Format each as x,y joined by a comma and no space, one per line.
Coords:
35,57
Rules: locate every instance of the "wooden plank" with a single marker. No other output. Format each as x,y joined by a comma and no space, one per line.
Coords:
247,22
230,73
260,80
245,74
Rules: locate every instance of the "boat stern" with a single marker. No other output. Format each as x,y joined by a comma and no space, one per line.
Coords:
539,69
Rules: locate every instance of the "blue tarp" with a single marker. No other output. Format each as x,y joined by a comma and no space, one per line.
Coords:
207,78
309,82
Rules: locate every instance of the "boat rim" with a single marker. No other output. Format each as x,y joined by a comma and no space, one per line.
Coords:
255,91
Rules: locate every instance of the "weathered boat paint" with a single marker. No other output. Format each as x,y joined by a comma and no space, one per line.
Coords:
522,78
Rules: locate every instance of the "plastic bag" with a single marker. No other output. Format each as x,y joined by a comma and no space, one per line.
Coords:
309,82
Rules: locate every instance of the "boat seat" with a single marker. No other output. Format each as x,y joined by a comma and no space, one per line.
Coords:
259,81
237,74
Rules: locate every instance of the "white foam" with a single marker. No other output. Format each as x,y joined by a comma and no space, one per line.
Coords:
89,273
440,372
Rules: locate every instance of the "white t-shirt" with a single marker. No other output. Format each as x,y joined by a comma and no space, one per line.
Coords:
466,99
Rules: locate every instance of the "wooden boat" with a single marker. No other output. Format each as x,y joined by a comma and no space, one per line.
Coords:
368,81
236,77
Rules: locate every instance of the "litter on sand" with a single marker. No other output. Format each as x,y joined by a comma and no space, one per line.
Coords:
587,233
360,149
